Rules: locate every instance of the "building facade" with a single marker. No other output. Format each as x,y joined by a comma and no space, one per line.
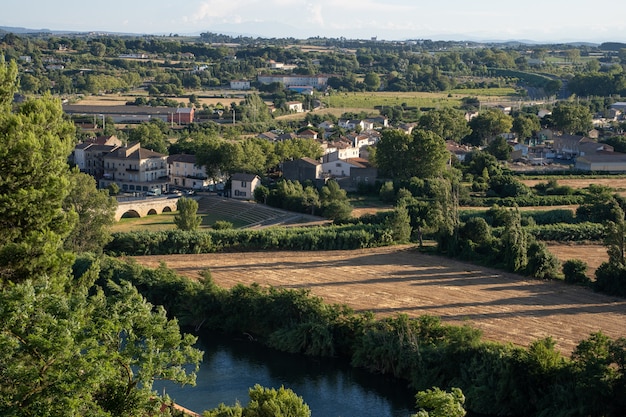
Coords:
135,170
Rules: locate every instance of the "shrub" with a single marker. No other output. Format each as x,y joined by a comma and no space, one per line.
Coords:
222,225
575,272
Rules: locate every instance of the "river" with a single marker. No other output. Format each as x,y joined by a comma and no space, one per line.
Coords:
329,387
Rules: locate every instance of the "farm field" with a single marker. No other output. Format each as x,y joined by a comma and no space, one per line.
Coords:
617,182
398,279
592,253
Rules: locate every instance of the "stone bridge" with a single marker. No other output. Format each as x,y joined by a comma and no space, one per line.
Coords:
144,206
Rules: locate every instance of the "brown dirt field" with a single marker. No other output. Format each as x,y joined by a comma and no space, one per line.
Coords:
391,280
615,183
592,254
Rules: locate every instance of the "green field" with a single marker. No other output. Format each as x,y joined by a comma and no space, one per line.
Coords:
389,99
371,100
503,92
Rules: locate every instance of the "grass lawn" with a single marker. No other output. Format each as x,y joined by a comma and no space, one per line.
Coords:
152,223
158,222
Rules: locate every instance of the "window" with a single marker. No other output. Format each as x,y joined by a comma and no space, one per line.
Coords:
243,184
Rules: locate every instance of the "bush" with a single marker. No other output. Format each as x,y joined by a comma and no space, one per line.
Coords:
541,263
222,225
575,272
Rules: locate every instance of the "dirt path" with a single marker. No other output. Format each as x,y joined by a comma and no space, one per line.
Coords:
507,307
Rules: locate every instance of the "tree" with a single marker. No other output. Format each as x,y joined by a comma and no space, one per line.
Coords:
487,125
448,123
428,153
575,272
399,223
71,350
334,202
96,212
513,242
150,136
572,118
438,403
186,219
525,126
500,148
265,402
422,154
68,347
391,152
372,81
552,87
269,402
33,224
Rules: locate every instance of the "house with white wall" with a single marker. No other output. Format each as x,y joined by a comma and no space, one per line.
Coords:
242,185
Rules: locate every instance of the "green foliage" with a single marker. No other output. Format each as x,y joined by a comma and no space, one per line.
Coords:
334,202
575,272
500,148
265,402
35,142
222,225
562,232
79,352
438,403
422,154
399,223
232,240
487,125
387,193
611,279
513,242
507,186
525,125
113,189
187,219
448,123
572,118
96,213
541,263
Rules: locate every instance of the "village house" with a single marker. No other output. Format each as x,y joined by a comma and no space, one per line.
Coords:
603,160
88,156
302,170
184,172
240,85
181,116
308,134
135,169
571,146
295,106
242,185
341,150
316,81
355,124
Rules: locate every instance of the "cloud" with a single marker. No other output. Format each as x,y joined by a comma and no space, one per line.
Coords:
315,14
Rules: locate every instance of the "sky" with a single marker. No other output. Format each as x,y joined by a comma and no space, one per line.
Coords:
483,20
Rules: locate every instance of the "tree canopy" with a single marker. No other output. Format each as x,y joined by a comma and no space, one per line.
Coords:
68,345
422,154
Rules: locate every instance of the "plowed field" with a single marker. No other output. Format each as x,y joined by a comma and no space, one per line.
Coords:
391,280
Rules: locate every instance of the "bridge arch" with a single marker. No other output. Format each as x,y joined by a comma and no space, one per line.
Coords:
130,214
141,207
